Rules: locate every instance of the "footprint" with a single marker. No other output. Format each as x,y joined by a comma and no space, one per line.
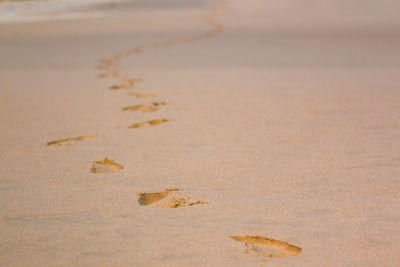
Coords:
210,19
156,45
157,122
268,247
70,140
148,123
136,50
110,73
164,44
147,107
140,95
119,86
129,83
170,198
116,57
132,81
105,166
106,63
198,202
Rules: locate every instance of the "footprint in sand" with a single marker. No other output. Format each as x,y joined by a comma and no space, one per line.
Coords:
106,63
69,140
147,107
116,56
142,95
129,83
170,198
211,20
136,50
105,166
267,247
109,73
148,123
164,44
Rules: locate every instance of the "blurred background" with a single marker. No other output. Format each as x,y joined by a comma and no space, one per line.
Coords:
310,13
34,10
286,33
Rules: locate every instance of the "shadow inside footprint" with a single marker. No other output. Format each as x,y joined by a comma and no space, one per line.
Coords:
105,166
170,198
128,83
147,107
268,247
140,95
110,73
69,140
148,123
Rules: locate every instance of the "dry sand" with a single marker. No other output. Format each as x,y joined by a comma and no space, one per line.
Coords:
279,144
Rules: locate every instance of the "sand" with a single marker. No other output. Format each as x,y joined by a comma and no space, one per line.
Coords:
277,144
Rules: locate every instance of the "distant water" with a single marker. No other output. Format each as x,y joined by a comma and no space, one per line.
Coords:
37,10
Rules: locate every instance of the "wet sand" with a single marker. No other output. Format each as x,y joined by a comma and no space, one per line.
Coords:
205,135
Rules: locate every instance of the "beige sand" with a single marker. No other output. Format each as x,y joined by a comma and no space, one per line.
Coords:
282,122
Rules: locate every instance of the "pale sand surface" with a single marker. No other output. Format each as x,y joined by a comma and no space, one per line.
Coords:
287,130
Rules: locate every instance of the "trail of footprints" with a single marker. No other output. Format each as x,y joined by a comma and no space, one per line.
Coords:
170,198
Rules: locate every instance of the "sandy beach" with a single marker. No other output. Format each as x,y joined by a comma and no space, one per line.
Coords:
201,133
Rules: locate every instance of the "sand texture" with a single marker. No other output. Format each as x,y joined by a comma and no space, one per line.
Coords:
202,133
